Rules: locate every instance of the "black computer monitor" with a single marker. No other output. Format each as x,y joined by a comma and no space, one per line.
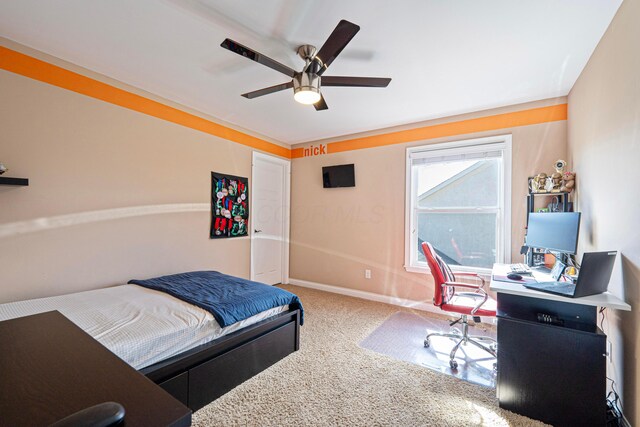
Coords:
555,231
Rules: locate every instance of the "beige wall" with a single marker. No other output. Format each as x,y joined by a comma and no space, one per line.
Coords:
604,149
338,233
83,155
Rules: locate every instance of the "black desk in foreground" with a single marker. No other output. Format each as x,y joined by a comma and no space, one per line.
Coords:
50,368
553,372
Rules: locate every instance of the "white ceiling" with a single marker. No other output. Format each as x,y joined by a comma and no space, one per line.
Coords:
445,57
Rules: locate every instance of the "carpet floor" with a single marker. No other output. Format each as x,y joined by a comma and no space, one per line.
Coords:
332,381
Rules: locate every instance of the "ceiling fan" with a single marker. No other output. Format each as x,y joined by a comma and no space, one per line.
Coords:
306,83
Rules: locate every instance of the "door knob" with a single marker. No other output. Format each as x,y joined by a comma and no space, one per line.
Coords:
257,231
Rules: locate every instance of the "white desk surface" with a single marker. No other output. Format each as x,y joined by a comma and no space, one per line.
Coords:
601,300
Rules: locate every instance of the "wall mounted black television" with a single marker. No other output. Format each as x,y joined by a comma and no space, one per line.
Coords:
338,176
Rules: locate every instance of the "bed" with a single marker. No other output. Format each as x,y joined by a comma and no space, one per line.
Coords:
193,353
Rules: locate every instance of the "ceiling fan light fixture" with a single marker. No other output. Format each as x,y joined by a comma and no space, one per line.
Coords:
307,96
306,88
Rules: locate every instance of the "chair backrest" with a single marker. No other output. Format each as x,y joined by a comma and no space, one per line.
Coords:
441,274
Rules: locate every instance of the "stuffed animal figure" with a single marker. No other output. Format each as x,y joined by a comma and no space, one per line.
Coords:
556,182
568,182
538,182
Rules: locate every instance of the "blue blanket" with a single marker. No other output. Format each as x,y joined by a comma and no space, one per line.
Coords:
230,299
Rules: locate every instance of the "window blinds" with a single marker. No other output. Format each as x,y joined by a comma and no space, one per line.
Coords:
429,157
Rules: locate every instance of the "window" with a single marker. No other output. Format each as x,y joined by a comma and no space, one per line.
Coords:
458,199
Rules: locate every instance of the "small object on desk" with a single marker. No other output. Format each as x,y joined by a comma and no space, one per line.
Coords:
505,278
520,269
557,270
514,276
3,169
102,415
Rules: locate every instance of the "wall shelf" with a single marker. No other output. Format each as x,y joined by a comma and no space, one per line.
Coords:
563,199
5,180
559,193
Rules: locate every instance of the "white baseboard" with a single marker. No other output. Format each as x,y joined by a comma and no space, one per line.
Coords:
371,296
366,295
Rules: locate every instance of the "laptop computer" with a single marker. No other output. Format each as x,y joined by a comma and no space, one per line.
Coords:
593,279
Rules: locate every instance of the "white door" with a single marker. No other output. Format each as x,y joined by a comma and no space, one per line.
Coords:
269,219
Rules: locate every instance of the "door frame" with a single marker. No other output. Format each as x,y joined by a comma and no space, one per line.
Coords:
286,209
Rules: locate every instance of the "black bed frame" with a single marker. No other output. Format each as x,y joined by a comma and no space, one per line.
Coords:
202,374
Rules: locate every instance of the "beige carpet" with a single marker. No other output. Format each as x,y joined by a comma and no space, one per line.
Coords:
331,381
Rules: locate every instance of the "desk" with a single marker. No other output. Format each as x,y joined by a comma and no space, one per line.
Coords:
556,374
606,299
50,369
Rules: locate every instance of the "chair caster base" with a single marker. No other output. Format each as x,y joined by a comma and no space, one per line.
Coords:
427,343
453,364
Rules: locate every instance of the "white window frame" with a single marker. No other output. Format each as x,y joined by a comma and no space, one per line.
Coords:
493,143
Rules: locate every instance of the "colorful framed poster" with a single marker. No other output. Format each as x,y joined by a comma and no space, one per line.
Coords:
229,206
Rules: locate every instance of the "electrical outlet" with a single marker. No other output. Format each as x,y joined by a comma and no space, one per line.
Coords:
367,274
610,351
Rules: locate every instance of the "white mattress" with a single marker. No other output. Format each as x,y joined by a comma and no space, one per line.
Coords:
139,325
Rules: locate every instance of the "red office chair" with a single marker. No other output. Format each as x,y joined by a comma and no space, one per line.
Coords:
446,296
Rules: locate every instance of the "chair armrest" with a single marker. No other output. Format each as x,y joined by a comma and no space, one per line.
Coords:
462,285
479,291
474,275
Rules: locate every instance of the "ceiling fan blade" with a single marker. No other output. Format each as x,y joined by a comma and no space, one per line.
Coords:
251,54
321,105
268,90
355,81
339,38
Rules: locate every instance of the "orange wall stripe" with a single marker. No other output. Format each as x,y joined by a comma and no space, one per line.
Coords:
297,152
531,116
28,66
36,69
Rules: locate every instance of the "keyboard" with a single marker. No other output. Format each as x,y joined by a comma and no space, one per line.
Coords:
520,269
